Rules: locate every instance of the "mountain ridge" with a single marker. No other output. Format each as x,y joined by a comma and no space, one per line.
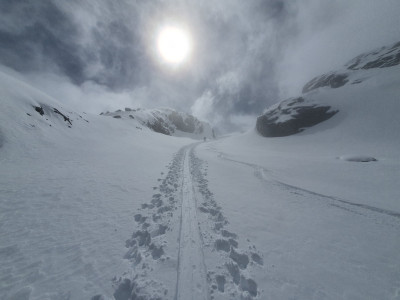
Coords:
166,121
294,115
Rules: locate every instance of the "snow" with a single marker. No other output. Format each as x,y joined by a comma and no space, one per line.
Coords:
104,210
68,197
316,243
167,120
192,275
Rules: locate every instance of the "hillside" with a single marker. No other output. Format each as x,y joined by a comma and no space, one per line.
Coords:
358,92
166,121
101,207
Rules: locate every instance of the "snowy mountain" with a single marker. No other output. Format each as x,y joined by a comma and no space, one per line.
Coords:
319,103
104,208
166,121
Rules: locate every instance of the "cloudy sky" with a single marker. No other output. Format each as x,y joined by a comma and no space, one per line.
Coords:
99,55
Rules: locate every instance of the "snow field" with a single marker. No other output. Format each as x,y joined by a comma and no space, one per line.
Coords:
68,196
313,246
184,237
97,208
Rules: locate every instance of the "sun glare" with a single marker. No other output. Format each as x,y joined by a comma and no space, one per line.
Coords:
174,44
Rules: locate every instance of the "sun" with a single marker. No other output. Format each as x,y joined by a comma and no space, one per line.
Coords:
174,44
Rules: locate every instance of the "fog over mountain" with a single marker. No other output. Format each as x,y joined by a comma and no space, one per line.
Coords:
100,55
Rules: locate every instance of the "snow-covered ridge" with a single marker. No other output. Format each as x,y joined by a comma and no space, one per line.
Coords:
166,121
379,58
28,114
376,71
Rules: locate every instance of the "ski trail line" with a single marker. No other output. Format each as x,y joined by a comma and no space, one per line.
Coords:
192,274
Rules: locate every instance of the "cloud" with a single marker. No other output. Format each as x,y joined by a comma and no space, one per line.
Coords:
330,33
88,97
247,55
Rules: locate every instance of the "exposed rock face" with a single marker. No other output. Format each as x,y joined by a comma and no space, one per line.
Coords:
159,125
186,123
50,112
333,80
291,117
166,121
296,114
382,58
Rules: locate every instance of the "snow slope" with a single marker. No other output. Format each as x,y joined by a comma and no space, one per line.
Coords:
368,82
166,121
68,196
94,207
322,206
325,228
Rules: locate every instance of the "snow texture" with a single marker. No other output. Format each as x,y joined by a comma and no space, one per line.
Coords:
94,207
294,115
166,121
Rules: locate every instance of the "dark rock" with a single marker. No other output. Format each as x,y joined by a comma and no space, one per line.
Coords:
66,118
39,109
299,118
293,115
160,126
382,58
187,124
384,62
332,80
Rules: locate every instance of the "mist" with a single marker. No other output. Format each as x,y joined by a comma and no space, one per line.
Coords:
101,55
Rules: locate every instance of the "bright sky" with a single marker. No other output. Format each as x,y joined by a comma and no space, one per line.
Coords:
238,58
174,44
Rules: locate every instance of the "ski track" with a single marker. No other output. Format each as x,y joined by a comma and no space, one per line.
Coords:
206,262
377,214
192,279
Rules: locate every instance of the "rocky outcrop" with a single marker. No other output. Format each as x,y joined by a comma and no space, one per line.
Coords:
166,121
333,80
51,113
292,116
381,58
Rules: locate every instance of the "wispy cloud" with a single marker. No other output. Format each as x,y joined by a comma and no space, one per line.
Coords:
247,54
